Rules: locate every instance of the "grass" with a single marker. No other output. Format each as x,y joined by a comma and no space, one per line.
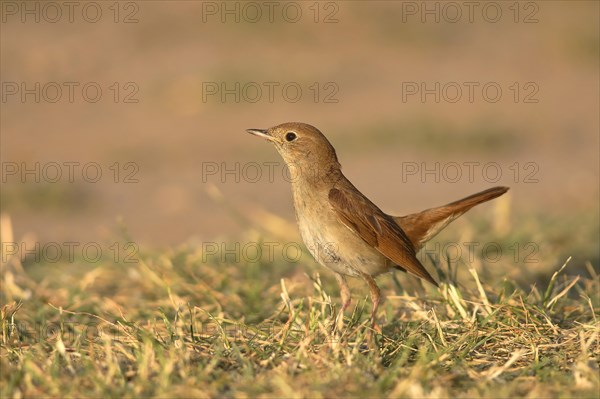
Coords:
181,323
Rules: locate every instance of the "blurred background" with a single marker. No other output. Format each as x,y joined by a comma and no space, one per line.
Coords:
156,96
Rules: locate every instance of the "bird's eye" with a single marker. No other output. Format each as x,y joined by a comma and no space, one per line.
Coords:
290,136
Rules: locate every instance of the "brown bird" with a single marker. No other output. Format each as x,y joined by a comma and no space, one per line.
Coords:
343,229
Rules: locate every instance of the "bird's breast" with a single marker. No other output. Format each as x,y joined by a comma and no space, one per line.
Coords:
330,242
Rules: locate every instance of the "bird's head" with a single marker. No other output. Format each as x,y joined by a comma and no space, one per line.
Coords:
300,145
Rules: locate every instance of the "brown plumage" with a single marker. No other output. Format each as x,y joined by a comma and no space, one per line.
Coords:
376,228
423,226
342,228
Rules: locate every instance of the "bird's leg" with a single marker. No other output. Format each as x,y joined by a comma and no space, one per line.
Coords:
346,298
375,298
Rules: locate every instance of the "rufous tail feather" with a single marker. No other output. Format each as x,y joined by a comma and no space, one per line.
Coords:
421,227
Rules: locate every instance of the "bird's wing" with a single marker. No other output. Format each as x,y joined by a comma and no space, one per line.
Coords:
377,229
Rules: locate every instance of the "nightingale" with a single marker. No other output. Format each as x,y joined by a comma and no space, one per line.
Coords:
342,229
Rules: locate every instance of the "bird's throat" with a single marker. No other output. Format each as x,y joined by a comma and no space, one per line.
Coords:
314,175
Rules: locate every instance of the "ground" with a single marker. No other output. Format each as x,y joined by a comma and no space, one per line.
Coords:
193,322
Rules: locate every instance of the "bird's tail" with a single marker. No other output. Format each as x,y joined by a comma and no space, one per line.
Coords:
421,227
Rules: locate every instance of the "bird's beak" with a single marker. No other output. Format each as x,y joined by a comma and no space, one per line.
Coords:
261,133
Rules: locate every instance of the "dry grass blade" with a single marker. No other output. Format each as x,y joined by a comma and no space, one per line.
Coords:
562,293
484,299
548,291
496,371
